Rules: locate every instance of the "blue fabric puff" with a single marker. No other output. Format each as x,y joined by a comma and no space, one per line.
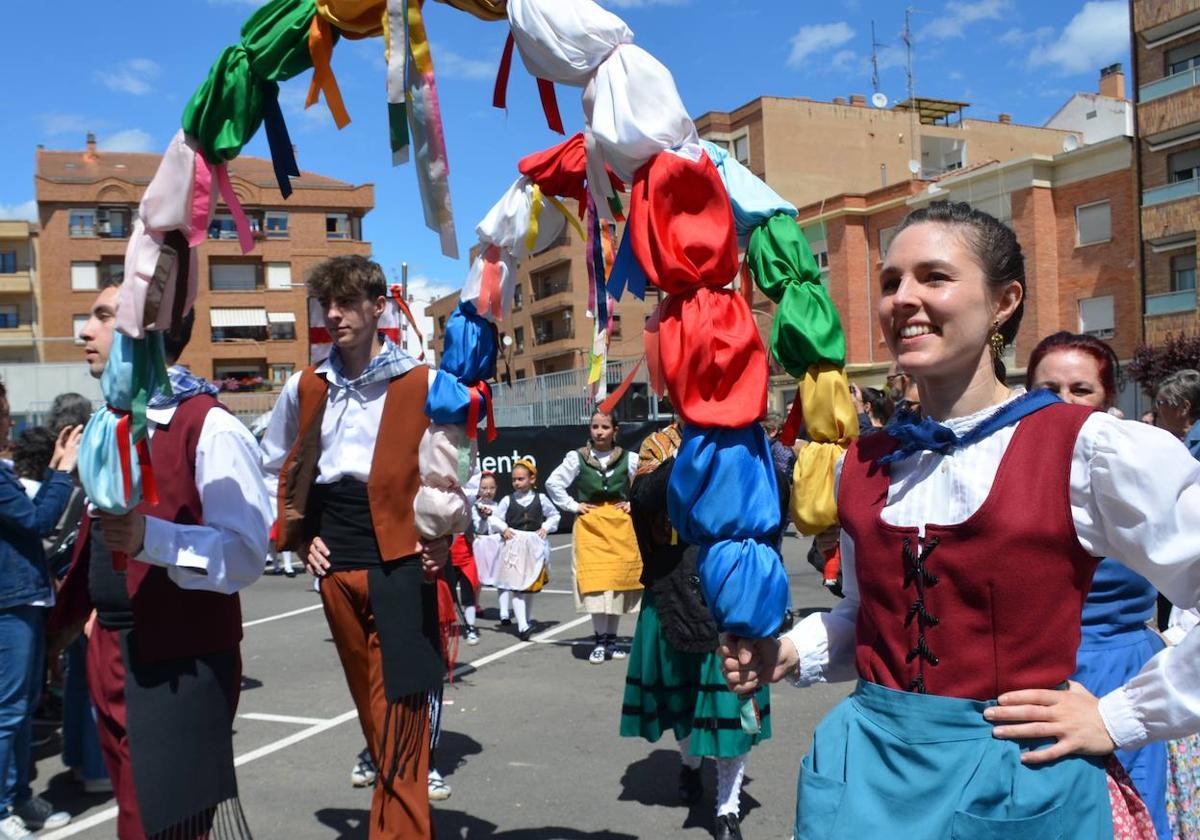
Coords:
753,201
723,486
745,585
448,400
469,351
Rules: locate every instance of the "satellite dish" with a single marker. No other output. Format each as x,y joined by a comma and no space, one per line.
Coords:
879,100
1070,143
914,167
507,341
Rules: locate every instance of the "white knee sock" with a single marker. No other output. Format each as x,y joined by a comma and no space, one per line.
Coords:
729,784
691,762
505,601
519,607
287,560
470,614
613,622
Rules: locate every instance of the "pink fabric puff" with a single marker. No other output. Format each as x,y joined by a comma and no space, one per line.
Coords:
682,224
713,358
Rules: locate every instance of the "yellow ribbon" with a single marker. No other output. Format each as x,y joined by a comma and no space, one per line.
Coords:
572,219
418,41
535,213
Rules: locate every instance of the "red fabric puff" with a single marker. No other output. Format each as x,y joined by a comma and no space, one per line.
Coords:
562,170
681,222
713,358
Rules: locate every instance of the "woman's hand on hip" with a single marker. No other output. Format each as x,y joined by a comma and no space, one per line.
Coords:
1071,717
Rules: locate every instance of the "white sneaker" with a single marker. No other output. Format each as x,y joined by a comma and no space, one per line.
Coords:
597,655
364,772
439,791
37,814
13,827
472,636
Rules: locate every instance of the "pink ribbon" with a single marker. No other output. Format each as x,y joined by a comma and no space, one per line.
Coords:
201,201
235,208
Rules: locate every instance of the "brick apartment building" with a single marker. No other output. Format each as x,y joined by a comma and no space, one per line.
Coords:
251,311
1166,58
18,304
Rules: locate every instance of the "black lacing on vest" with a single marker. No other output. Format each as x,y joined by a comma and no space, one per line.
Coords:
915,571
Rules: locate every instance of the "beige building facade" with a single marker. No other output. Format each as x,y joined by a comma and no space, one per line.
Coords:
251,327
18,299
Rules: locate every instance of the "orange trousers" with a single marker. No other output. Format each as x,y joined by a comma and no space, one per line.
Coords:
399,809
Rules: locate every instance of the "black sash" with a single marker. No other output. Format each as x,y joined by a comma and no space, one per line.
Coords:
344,515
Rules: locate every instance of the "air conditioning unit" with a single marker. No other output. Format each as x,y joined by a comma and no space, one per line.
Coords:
1105,333
104,228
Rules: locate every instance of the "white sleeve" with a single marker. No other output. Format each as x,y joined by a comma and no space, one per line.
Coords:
550,514
227,553
632,462
562,478
1180,624
440,507
497,522
1135,497
281,431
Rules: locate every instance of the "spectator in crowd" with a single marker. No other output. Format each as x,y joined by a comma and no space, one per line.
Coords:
31,457
1177,402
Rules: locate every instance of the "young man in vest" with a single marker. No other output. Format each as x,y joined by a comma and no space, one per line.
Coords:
343,440
164,668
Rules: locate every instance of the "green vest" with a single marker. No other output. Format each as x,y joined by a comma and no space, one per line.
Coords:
595,484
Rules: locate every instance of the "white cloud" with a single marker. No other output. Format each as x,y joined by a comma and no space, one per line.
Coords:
953,22
846,61
892,55
26,210
127,140
134,76
452,65
1016,37
817,38
56,123
291,100
1096,36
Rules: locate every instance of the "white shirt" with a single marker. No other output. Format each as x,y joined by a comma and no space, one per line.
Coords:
1135,497
524,498
226,553
566,473
481,523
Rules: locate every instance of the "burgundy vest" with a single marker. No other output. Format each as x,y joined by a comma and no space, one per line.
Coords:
170,622
986,606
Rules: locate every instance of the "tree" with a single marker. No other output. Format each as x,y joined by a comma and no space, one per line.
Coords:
1151,365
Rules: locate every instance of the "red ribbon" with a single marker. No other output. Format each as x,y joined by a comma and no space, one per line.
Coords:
149,485
480,393
610,403
550,105
125,455
489,283
787,435
500,92
398,296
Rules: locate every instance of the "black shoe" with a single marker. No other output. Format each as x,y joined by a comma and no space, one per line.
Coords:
290,572
524,635
726,827
691,785
505,622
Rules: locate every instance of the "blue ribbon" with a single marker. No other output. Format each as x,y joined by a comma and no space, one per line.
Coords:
283,156
627,270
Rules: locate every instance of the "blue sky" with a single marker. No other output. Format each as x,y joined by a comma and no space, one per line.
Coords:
127,75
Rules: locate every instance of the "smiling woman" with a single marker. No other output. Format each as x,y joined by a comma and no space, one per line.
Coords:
936,619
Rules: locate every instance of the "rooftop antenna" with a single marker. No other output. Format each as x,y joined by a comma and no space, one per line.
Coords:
913,122
875,45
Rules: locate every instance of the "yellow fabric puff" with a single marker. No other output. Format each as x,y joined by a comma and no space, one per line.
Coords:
355,18
832,424
482,9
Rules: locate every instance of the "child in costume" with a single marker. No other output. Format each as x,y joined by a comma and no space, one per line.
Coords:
524,520
607,564
486,542
463,579
970,540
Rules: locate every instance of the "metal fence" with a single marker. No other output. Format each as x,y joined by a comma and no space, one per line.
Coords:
561,399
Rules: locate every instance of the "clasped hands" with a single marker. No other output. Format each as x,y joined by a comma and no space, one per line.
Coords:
1071,717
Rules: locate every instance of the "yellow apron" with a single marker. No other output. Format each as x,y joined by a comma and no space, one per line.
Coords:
606,551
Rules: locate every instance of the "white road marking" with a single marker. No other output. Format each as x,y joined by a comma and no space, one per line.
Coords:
281,615
300,721
561,547
319,726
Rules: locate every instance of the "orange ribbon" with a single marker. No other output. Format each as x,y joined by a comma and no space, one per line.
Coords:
398,296
610,403
489,283
320,49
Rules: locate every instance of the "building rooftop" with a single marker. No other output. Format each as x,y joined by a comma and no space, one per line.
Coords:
91,166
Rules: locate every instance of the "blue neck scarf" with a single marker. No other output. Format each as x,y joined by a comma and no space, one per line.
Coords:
390,362
922,434
184,386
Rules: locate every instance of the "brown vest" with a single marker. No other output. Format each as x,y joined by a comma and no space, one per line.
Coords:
394,478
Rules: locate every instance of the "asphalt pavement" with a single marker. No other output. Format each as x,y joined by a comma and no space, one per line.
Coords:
529,745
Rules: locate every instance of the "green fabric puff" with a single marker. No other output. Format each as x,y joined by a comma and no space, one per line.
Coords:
807,329
226,111
276,39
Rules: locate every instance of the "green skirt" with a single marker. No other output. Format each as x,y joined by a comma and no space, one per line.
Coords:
667,690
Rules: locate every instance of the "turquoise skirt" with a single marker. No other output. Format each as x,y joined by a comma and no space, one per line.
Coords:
893,764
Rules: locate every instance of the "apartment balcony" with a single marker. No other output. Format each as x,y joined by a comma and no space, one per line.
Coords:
16,282
1171,192
1156,20
1171,302
1173,210
16,336
1171,84
551,342
1171,111
552,302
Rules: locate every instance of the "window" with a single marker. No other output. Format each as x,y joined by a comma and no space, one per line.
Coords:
1184,166
519,339
280,374
279,276
885,241
1093,223
233,277
239,374
78,322
741,149
520,373
277,225
84,276
222,226
8,262
337,226
236,324
283,326
82,223
112,222
1096,316
616,326
1183,273
1182,59
112,272
441,323
518,297
10,316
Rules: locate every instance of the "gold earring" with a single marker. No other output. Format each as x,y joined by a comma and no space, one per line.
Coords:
996,340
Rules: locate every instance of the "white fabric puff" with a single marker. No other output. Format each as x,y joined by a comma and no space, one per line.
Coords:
633,109
507,223
441,506
508,281
565,40
167,202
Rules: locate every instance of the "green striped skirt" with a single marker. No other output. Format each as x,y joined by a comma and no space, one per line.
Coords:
667,690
